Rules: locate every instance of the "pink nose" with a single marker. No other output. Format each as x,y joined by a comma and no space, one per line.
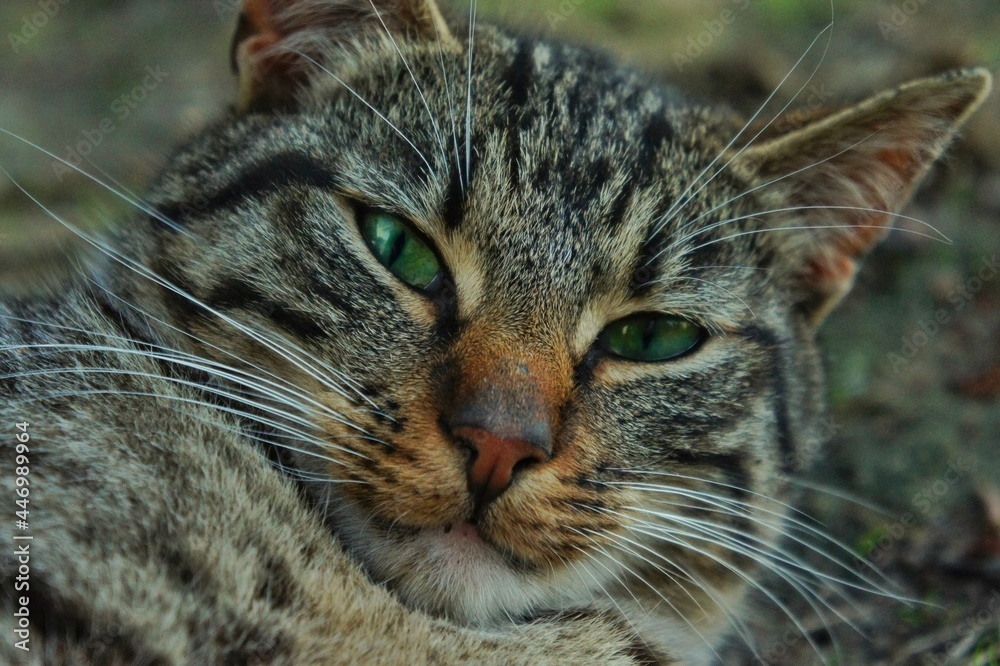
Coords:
495,459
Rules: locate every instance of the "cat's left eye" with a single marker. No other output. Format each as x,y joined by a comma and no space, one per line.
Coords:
400,249
652,338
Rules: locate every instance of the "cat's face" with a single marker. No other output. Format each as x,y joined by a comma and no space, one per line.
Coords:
542,355
551,243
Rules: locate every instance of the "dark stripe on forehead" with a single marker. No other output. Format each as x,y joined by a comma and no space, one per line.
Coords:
646,265
657,133
518,80
616,214
454,200
271,175
519,77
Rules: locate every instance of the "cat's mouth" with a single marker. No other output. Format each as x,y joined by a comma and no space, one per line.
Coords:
456,570
460,541
468,536
449,544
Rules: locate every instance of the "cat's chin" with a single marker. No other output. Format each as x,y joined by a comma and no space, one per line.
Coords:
452,572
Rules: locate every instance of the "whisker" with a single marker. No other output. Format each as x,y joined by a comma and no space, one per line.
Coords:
80,370
473,9
610,597
352,385
268,388
683,238
430,170
136,203
940,238
839,493
189,401
800,525
767,549
750,580
451,111
798,582
289,351
684,197
349,383
711,284
730,615
420,91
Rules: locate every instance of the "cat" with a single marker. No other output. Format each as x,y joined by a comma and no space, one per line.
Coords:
446,345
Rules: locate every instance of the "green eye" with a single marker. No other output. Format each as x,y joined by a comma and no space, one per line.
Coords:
651,337
401,250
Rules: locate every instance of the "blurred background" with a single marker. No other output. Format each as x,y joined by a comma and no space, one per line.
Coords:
910,479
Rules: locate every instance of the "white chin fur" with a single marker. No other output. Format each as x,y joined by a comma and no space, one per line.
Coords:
458,576
454,574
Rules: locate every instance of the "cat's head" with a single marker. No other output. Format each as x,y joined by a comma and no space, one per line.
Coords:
539,330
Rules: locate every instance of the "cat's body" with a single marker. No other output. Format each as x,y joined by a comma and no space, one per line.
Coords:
243,400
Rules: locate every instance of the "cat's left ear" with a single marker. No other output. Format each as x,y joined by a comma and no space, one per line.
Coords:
277,41
844,177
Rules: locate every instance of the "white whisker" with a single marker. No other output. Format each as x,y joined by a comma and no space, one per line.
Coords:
430,170
136,203
683,238
683,199
289,351
420,91
473,8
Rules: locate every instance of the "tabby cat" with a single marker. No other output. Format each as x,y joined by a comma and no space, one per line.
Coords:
446,345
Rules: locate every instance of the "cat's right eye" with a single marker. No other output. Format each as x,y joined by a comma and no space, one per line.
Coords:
401,250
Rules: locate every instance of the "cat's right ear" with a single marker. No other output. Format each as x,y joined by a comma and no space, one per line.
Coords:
279,43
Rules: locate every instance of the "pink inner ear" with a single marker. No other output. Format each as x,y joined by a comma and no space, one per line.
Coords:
260,14
829,272
262,32
861,234
259,43
903,162
267,74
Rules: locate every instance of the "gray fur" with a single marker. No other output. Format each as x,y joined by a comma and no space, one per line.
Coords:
164,534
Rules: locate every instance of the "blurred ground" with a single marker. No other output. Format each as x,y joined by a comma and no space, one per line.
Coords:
916,402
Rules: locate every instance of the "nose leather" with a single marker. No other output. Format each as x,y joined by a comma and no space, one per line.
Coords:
495,460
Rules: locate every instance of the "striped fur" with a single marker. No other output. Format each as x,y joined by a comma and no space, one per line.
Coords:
238,418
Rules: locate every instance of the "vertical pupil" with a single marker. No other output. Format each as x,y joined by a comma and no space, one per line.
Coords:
652,337
400,249
648,331
398,245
